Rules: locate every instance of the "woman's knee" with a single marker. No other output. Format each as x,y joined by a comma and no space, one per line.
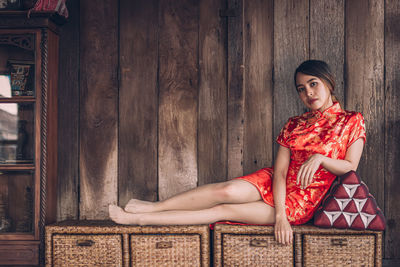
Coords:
226,192
237,191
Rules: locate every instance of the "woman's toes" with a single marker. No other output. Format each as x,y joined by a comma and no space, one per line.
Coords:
116,213
139,206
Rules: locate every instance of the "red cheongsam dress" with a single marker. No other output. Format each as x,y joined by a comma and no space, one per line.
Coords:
329,133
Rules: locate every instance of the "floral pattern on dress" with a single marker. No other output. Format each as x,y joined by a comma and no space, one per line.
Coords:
329,133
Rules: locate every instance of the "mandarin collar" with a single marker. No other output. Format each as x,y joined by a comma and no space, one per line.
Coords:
332,110
330,113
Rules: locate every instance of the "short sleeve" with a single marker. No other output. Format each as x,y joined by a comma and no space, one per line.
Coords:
357,129
283,136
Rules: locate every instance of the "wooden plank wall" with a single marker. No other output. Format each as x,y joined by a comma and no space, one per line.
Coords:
68,116
98,117
157,97
392,129
212,120
138,100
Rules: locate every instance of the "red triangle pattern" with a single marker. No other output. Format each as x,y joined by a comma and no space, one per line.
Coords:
340,192
350,178
339,210
351,207
358,224
361,192
370,206
331,204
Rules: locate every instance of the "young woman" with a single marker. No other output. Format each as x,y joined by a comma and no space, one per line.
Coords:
314,148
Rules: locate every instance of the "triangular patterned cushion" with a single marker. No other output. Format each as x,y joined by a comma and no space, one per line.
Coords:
349,205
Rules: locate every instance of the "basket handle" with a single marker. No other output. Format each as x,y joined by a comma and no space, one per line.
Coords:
341,242
164,244
258,243
85,243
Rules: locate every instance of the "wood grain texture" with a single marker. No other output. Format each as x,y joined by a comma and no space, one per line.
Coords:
291,47
365,85
68,117
212,131
258,62
235,90
327,38
178,92
52,123
138,101
392,129
98,107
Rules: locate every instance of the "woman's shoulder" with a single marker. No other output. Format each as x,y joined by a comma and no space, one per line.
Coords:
353,115
295,120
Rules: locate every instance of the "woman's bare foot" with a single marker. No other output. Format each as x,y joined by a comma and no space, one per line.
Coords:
140,206
120,216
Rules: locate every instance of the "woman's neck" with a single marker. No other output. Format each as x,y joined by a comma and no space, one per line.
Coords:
327,104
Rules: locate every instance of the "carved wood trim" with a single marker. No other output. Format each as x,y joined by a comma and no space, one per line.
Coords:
43,137
25,41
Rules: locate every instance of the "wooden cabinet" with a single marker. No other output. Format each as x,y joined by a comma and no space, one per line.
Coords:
28,133
95,243
244,245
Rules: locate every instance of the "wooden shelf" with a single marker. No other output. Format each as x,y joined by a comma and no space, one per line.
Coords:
17,167
17,99
17,236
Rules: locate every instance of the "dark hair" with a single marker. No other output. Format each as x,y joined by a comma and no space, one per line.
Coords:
320,69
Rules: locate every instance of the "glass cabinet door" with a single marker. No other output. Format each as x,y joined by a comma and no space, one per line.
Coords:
17,68
17,133
16,201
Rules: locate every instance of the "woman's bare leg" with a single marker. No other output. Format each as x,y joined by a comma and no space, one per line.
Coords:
253,212
202,197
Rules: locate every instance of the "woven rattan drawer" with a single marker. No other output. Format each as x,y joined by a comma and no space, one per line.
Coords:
339,250
255,250
250,246
127,246
87,250
165,250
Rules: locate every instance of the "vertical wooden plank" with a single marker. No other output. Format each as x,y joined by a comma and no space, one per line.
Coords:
138,100
178,86
258,58
52,127
364,85
98,107
235,90
68,116
327,38
392,129
291,47
212,131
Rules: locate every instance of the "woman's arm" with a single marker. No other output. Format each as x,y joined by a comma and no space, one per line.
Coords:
335,166
283,230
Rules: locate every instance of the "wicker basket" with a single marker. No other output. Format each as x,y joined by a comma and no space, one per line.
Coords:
338,250
86,250
165,250
103,243
245,245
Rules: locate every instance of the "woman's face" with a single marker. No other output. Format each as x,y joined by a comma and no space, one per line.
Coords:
313,92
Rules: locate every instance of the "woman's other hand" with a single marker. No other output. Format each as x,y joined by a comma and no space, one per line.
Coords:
283,231
306,173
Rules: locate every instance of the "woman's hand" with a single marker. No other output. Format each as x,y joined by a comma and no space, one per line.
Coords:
283,231
308,169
